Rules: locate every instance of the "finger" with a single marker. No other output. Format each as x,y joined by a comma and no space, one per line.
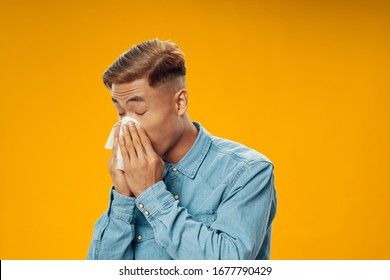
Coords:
145,141
116,139
125,154
136,141
129,143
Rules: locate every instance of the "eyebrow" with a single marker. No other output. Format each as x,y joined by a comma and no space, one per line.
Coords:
132,99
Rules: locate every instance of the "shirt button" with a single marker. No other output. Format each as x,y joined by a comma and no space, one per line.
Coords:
139,237
141,206
174,169
146,213
176,197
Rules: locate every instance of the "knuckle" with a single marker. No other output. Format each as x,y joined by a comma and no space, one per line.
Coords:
144,141
154,160
142,163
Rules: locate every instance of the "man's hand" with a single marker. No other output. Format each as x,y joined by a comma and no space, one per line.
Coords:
143,167
117,176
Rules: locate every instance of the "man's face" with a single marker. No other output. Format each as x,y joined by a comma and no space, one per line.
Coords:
153,108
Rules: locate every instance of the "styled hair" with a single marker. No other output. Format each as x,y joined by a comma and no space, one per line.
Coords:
158,61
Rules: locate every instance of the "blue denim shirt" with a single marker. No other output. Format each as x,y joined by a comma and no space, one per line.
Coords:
217,202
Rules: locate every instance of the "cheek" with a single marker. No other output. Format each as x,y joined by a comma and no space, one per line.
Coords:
160,136
160,139
160,127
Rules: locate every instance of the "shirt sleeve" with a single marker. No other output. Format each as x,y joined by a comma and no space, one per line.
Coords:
114,230
243,218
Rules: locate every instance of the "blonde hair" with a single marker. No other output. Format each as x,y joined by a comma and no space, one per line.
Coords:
159,61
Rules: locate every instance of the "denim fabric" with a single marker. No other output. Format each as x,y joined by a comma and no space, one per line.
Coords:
217,202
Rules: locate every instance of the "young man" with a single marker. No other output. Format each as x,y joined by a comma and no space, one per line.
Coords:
183,194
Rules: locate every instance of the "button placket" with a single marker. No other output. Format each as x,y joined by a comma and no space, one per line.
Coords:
174,174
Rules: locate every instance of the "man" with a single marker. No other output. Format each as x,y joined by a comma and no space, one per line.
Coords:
183,194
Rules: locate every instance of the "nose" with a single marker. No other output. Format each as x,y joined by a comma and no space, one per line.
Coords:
128,118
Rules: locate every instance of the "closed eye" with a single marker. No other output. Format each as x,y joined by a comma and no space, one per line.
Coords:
138,114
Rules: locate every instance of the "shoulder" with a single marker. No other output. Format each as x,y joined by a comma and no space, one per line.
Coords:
228,161
232,164
225,161
236,152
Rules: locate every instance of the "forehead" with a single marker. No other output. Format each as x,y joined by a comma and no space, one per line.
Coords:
137,87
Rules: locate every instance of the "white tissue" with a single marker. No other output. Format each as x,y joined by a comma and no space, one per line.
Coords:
110,140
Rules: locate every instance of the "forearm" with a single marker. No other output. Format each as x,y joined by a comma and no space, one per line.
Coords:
114,231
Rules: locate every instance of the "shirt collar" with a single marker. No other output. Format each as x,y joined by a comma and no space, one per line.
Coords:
192,160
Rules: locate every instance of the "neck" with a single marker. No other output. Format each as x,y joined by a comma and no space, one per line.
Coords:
183,143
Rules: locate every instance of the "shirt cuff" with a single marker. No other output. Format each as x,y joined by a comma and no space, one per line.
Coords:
154,199
121,207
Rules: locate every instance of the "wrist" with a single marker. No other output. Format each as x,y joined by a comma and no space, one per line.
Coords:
123,191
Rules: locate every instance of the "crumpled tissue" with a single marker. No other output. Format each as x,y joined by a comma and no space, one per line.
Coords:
110,141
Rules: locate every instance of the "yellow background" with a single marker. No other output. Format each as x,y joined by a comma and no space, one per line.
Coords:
304,82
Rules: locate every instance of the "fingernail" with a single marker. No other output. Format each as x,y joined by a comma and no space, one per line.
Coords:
137,126
131,124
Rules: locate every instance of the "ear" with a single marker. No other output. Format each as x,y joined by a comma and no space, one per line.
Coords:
181,101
